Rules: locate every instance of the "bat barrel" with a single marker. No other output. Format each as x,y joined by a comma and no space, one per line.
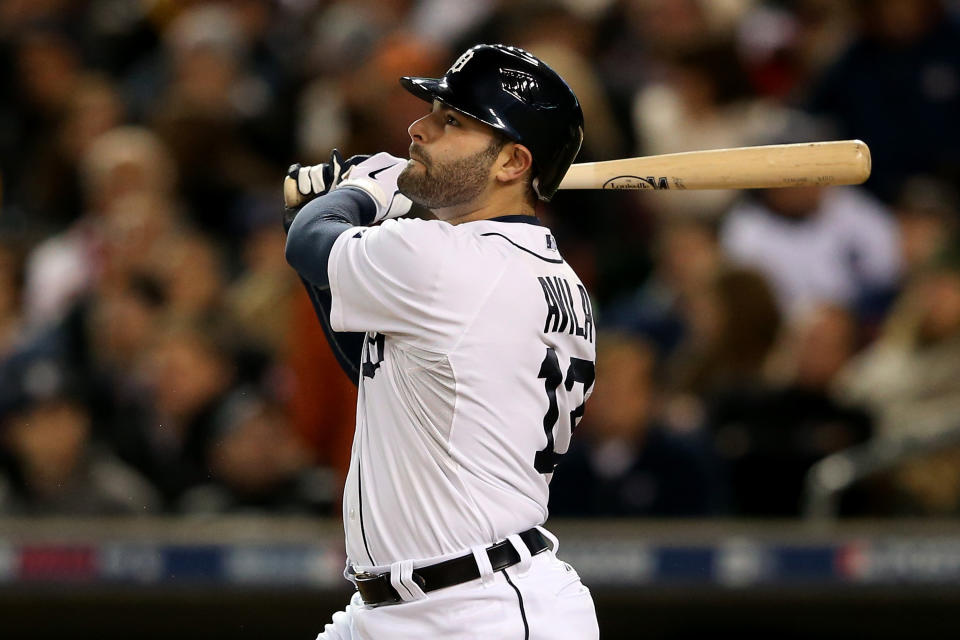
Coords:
819,163
762,167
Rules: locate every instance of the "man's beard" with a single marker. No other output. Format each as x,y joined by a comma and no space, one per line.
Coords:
447,185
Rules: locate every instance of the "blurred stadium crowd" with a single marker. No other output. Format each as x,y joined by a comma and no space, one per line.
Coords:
157,354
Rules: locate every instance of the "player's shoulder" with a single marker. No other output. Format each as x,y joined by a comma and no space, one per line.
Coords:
409,234
515,236
415,226
492,240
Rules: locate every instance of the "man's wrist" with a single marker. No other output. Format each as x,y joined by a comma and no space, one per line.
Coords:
352,206
365,204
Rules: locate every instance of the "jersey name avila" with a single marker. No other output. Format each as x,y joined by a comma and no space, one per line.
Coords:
561,314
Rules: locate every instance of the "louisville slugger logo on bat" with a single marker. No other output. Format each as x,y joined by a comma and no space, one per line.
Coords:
764,167
634,183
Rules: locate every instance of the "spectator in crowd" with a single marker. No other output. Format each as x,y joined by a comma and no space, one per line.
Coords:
116,329
624,460
733,323
258,303
818,244
164,428
46,69
258,464
686,257
785,46
135,233
189,266
911,374
702,101
52,467
910,379
66,267
54,186
769,434
928,216
902,68
200,115
668,26
11,293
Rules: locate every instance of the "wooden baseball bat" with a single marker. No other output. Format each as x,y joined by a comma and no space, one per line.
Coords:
762,167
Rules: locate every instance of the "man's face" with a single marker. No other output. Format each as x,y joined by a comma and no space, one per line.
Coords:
451,155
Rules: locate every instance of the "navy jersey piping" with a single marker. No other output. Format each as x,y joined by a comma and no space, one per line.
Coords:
517,218
535,255
363,531
523,613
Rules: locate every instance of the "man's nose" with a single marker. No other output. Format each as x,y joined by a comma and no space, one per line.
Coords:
418,129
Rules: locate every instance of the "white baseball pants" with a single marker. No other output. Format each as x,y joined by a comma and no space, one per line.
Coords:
541,598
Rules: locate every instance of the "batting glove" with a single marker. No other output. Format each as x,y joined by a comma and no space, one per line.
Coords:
377,176
303,184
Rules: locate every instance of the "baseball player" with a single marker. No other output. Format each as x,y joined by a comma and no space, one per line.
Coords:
472,342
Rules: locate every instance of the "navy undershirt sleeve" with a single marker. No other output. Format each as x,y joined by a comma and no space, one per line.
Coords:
347,347
311,233
317,226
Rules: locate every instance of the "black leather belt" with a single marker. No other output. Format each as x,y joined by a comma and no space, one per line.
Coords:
376,589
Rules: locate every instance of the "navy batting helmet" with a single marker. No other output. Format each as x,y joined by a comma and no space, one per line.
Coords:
517,94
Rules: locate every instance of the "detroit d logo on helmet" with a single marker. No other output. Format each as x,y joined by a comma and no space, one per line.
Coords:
461,61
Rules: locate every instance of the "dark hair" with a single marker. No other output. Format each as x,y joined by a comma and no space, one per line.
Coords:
751,318
749,323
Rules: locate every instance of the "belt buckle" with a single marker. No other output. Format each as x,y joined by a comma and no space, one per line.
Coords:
365,576
376,587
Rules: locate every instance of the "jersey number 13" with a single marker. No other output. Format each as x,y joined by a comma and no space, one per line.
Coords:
581,371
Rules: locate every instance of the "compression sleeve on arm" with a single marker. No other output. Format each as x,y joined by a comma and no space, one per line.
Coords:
347,346
318,225
310,238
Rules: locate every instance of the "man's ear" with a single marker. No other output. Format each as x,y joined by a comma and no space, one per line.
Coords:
515,160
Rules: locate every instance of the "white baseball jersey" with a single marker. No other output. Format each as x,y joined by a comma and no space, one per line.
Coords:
478,358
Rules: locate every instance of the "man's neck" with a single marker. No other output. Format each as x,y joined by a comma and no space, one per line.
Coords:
492,207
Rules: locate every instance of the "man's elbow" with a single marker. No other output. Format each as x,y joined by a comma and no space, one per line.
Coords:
294,250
